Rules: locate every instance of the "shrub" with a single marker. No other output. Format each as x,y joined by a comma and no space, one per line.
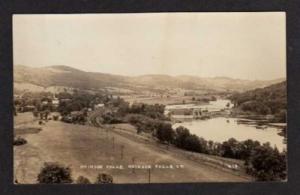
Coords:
111,118
82,180
231,148
143,123
19,141
165,132
267,164
104,178
185,140
55,117
54,173
181,134
35,114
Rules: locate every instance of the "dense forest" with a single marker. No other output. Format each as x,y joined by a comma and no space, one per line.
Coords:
271,100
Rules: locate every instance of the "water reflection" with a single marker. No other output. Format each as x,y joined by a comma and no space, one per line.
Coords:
221,129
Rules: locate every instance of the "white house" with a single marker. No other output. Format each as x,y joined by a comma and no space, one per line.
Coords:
97,106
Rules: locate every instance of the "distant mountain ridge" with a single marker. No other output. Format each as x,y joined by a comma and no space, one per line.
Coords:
61,75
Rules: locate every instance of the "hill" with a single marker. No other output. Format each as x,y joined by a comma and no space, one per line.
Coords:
57,76
268,100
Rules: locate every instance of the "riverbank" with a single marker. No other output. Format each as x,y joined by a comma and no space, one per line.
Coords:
221,123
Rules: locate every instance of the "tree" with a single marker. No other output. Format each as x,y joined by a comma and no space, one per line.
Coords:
104,178
267,164
246,149
185,140
35,113
230,148
82,180
281,116
19,141
165,132
54,173
192,143
181,134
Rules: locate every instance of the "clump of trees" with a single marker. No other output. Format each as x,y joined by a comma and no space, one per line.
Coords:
262,161
19,141
165,132
55,117
82,180
117,108
268,100
155,111
104,178
111,118
76,118
267,164
34,100
55,173
142,123
183,139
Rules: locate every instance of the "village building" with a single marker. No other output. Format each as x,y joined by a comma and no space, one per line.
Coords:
98,106
55,102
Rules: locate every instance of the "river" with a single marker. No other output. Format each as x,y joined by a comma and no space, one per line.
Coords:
220,129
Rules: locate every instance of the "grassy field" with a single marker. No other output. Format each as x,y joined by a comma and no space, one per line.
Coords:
160,100
78,146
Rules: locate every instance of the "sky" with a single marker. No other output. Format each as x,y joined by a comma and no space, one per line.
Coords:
238,45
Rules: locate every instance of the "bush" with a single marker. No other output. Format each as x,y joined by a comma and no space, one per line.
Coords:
231,148
185,140
181,134
82,180
280,117
111,118
165,132
267,164
104,178
55,117
155,111
35,114
19,141
54,173
143,123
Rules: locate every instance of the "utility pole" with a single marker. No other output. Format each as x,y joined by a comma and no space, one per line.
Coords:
113,141
133,161
106,133
149,175
122,151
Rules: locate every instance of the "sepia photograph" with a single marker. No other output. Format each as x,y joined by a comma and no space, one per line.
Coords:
140,98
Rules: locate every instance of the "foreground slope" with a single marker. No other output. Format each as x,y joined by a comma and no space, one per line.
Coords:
77,145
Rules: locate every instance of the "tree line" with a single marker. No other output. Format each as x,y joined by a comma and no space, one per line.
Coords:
262,161
269,100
